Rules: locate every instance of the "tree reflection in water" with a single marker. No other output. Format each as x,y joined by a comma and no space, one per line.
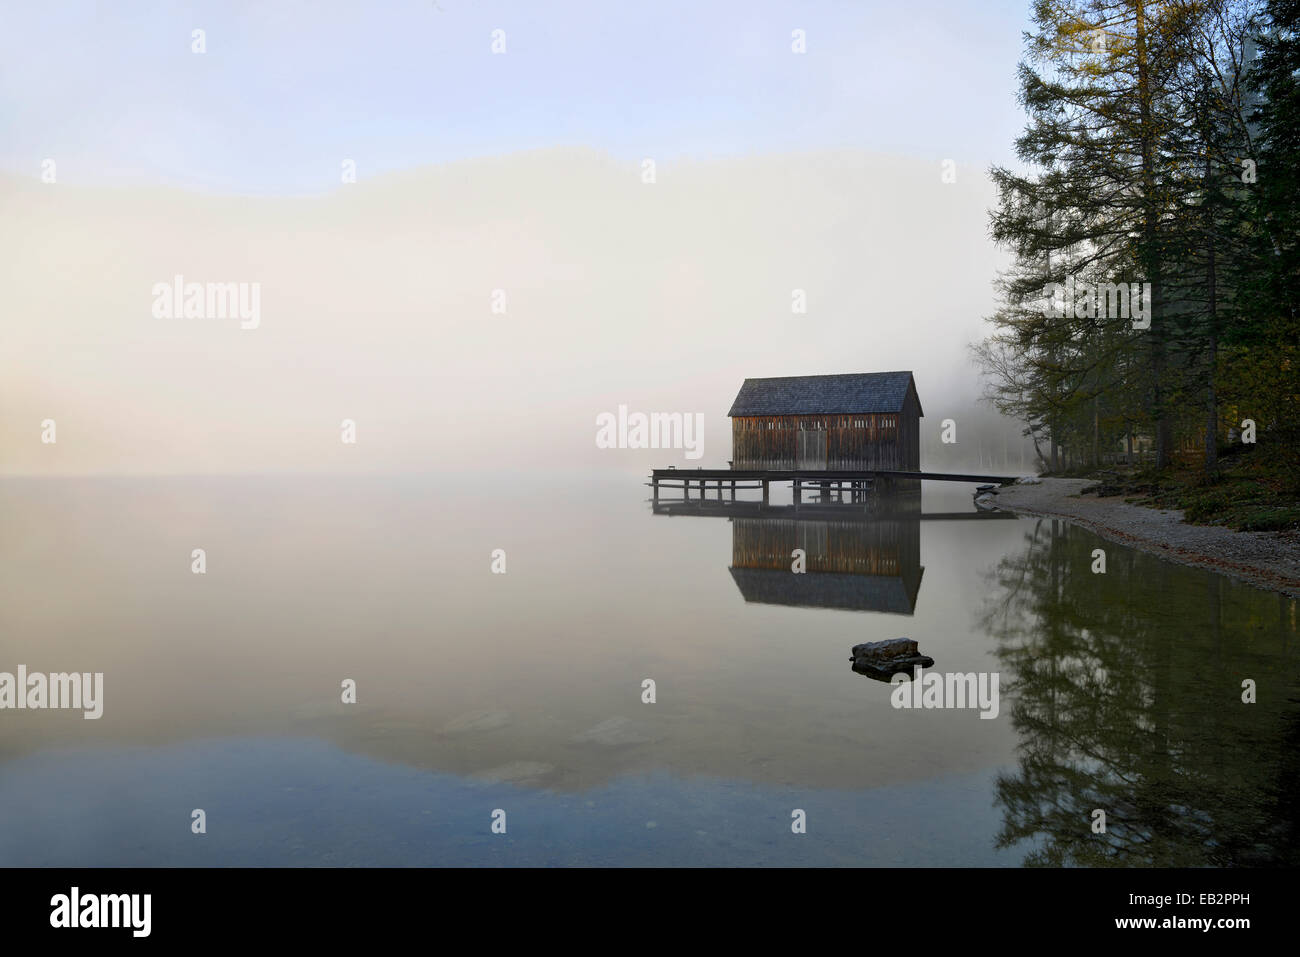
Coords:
1126,691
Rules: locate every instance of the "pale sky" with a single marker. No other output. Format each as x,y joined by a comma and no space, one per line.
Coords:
286,89
477,172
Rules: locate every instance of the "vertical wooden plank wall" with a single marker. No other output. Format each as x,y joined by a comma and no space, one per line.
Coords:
863,441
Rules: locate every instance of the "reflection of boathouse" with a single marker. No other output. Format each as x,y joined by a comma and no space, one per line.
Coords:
852,565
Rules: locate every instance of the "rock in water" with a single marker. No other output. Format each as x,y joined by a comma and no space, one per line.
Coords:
883,659
885,650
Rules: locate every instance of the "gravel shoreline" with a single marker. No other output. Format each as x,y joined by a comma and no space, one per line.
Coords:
1269,560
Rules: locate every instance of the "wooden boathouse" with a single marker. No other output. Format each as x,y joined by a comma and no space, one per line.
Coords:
861,430
868,421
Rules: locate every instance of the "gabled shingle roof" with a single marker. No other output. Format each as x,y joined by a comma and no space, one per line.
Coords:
863,392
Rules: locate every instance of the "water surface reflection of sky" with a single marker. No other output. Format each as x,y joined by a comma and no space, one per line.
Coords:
522,691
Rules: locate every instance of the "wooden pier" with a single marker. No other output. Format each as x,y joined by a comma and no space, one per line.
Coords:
829,484
811,511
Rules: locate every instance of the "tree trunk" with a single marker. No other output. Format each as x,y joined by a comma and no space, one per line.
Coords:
1096,435
1211,295
1150,231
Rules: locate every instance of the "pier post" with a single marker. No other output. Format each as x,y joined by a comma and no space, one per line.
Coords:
764,492
654,484
798,493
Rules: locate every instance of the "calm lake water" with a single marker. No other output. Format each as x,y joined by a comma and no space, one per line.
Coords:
522,692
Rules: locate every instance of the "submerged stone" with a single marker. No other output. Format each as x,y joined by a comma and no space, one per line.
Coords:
883,650
883,659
